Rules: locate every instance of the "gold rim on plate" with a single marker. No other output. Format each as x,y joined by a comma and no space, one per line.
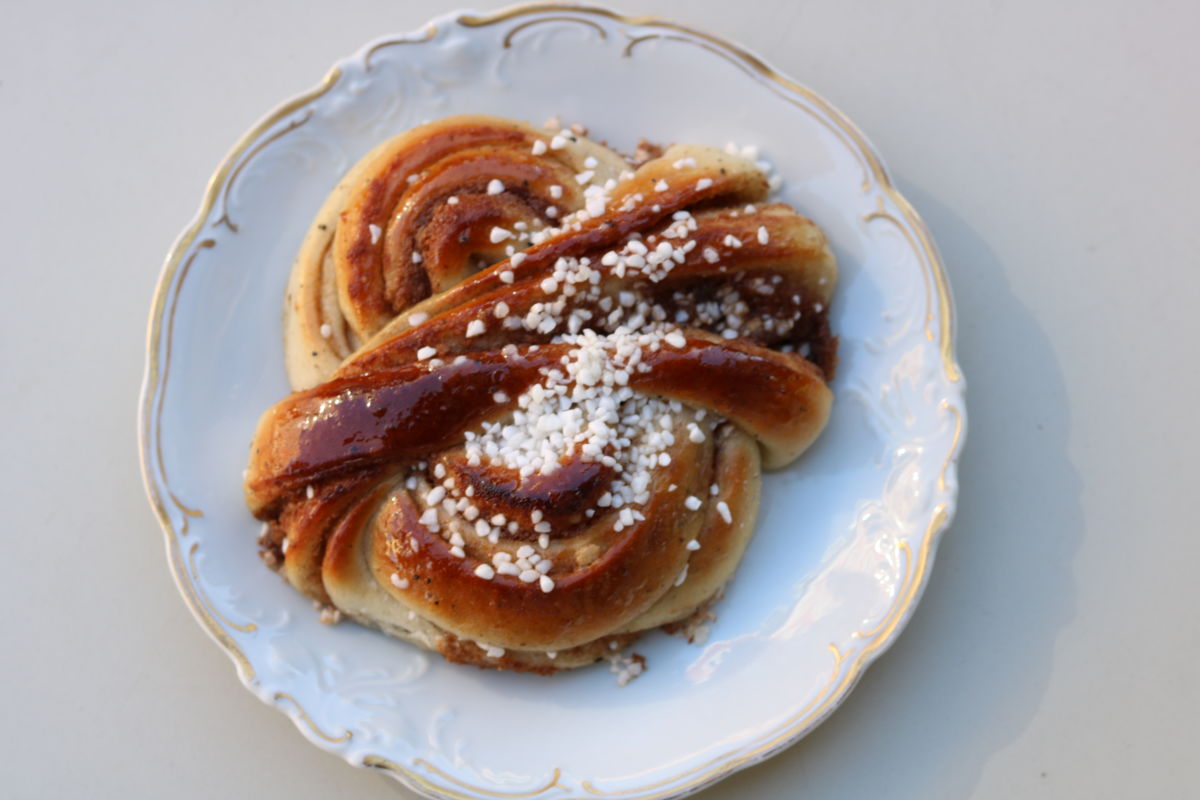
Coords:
939,309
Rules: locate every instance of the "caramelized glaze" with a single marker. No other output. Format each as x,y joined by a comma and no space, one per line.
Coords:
374,500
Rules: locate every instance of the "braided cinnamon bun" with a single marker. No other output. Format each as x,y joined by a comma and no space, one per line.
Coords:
415,216
525,465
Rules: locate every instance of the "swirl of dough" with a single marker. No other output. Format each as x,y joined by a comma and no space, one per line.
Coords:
417,215
550,455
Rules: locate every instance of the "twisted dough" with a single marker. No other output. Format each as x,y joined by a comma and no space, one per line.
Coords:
414,218
547,456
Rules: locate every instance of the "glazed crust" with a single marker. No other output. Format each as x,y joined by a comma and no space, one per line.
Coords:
412,218
347,470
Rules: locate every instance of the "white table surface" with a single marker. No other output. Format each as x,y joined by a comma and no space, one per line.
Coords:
1053,151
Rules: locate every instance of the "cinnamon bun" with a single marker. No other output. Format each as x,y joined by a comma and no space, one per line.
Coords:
531,436
415,216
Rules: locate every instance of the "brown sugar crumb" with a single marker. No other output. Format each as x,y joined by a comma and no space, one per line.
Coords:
272,544
646,151
696,626
627,667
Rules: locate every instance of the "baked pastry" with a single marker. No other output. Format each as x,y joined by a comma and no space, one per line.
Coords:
415,216
526,465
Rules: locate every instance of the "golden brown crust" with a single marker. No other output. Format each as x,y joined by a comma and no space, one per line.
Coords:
308,523
737,478
413,218
364,473
389,416
796,253
589,600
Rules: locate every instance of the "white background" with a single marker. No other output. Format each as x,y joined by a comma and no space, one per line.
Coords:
1053,151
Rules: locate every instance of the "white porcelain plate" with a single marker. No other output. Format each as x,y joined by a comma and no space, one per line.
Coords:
846,535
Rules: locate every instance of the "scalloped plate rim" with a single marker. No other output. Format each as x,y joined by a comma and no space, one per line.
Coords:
186,241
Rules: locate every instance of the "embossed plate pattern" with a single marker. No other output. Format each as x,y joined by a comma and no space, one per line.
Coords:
846,537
